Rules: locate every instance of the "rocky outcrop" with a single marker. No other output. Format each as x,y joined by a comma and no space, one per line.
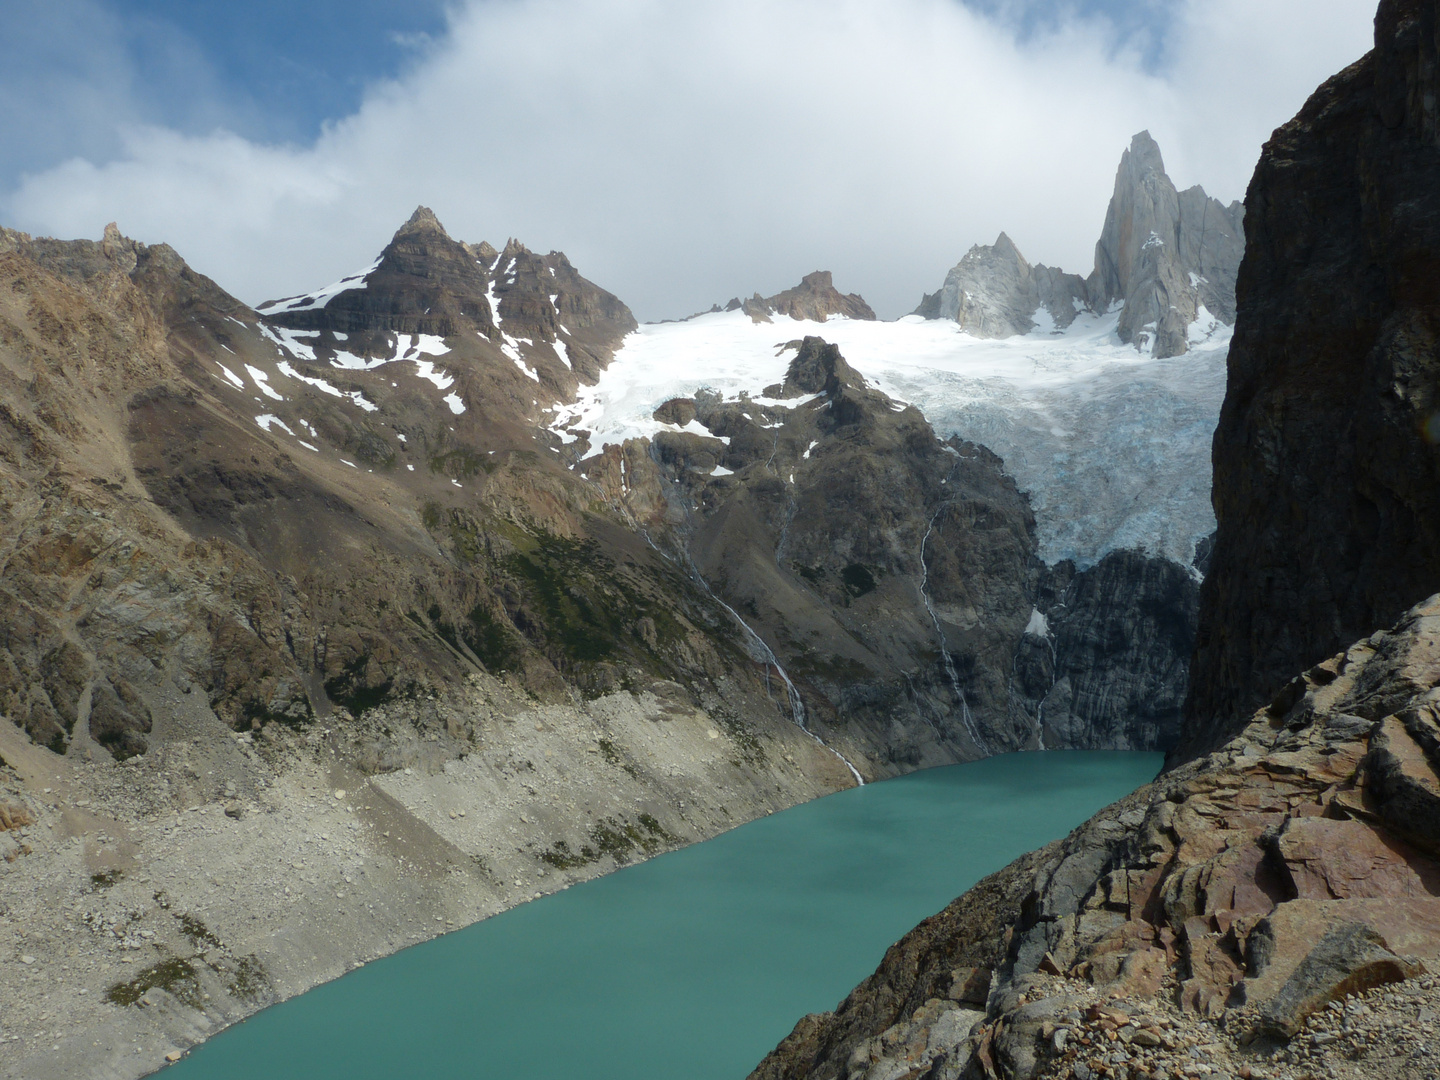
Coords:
1166,257
1327,479
518,314
815,299
1288,870
994,293
890,573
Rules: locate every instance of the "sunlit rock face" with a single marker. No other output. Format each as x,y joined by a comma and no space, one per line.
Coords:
1166,261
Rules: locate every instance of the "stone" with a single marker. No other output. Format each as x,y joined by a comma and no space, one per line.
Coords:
1350,957
815,299
969,985
1339,860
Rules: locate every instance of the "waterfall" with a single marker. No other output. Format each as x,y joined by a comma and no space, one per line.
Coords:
797,706
966,718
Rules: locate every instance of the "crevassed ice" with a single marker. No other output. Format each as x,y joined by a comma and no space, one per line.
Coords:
1112,445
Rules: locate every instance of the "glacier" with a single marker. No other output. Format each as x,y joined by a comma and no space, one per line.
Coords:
1111,443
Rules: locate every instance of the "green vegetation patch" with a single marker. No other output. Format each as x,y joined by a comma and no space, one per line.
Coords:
198,933
612,837
351,690
858,579
491,640
249,981
176,977
560,573
461,463
611,755
104,879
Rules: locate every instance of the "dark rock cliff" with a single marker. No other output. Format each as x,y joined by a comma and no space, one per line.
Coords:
1104,660
1327,456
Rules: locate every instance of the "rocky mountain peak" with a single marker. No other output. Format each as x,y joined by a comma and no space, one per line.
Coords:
1164,254
815,299
819,368
1005,247
423,283
993,292
1144,155
1144,208
423,220
1168,257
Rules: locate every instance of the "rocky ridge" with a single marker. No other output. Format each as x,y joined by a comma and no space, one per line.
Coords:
249,565
896,577
1165,257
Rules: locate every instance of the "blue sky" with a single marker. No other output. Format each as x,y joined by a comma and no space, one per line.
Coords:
680,152
292,65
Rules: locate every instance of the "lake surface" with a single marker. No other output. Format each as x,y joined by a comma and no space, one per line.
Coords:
692,965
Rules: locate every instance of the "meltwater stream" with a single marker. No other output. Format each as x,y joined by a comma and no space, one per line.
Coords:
694,964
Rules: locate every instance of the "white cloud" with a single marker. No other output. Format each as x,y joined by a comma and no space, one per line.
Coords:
681,153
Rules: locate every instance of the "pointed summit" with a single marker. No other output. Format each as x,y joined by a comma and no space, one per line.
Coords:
423,283
423,220
1144,152
1165,254
993,292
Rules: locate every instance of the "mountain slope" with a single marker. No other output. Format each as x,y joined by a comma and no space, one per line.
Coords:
319,631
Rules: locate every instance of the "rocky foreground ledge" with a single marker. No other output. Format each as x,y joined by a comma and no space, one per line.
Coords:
1269,911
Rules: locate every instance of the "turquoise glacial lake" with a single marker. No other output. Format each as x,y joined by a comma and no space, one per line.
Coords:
692,965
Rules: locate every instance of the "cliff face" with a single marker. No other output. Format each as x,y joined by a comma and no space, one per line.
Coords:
1327,455
1164,253
1104,658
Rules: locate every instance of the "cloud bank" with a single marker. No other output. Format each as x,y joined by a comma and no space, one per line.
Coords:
683,153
